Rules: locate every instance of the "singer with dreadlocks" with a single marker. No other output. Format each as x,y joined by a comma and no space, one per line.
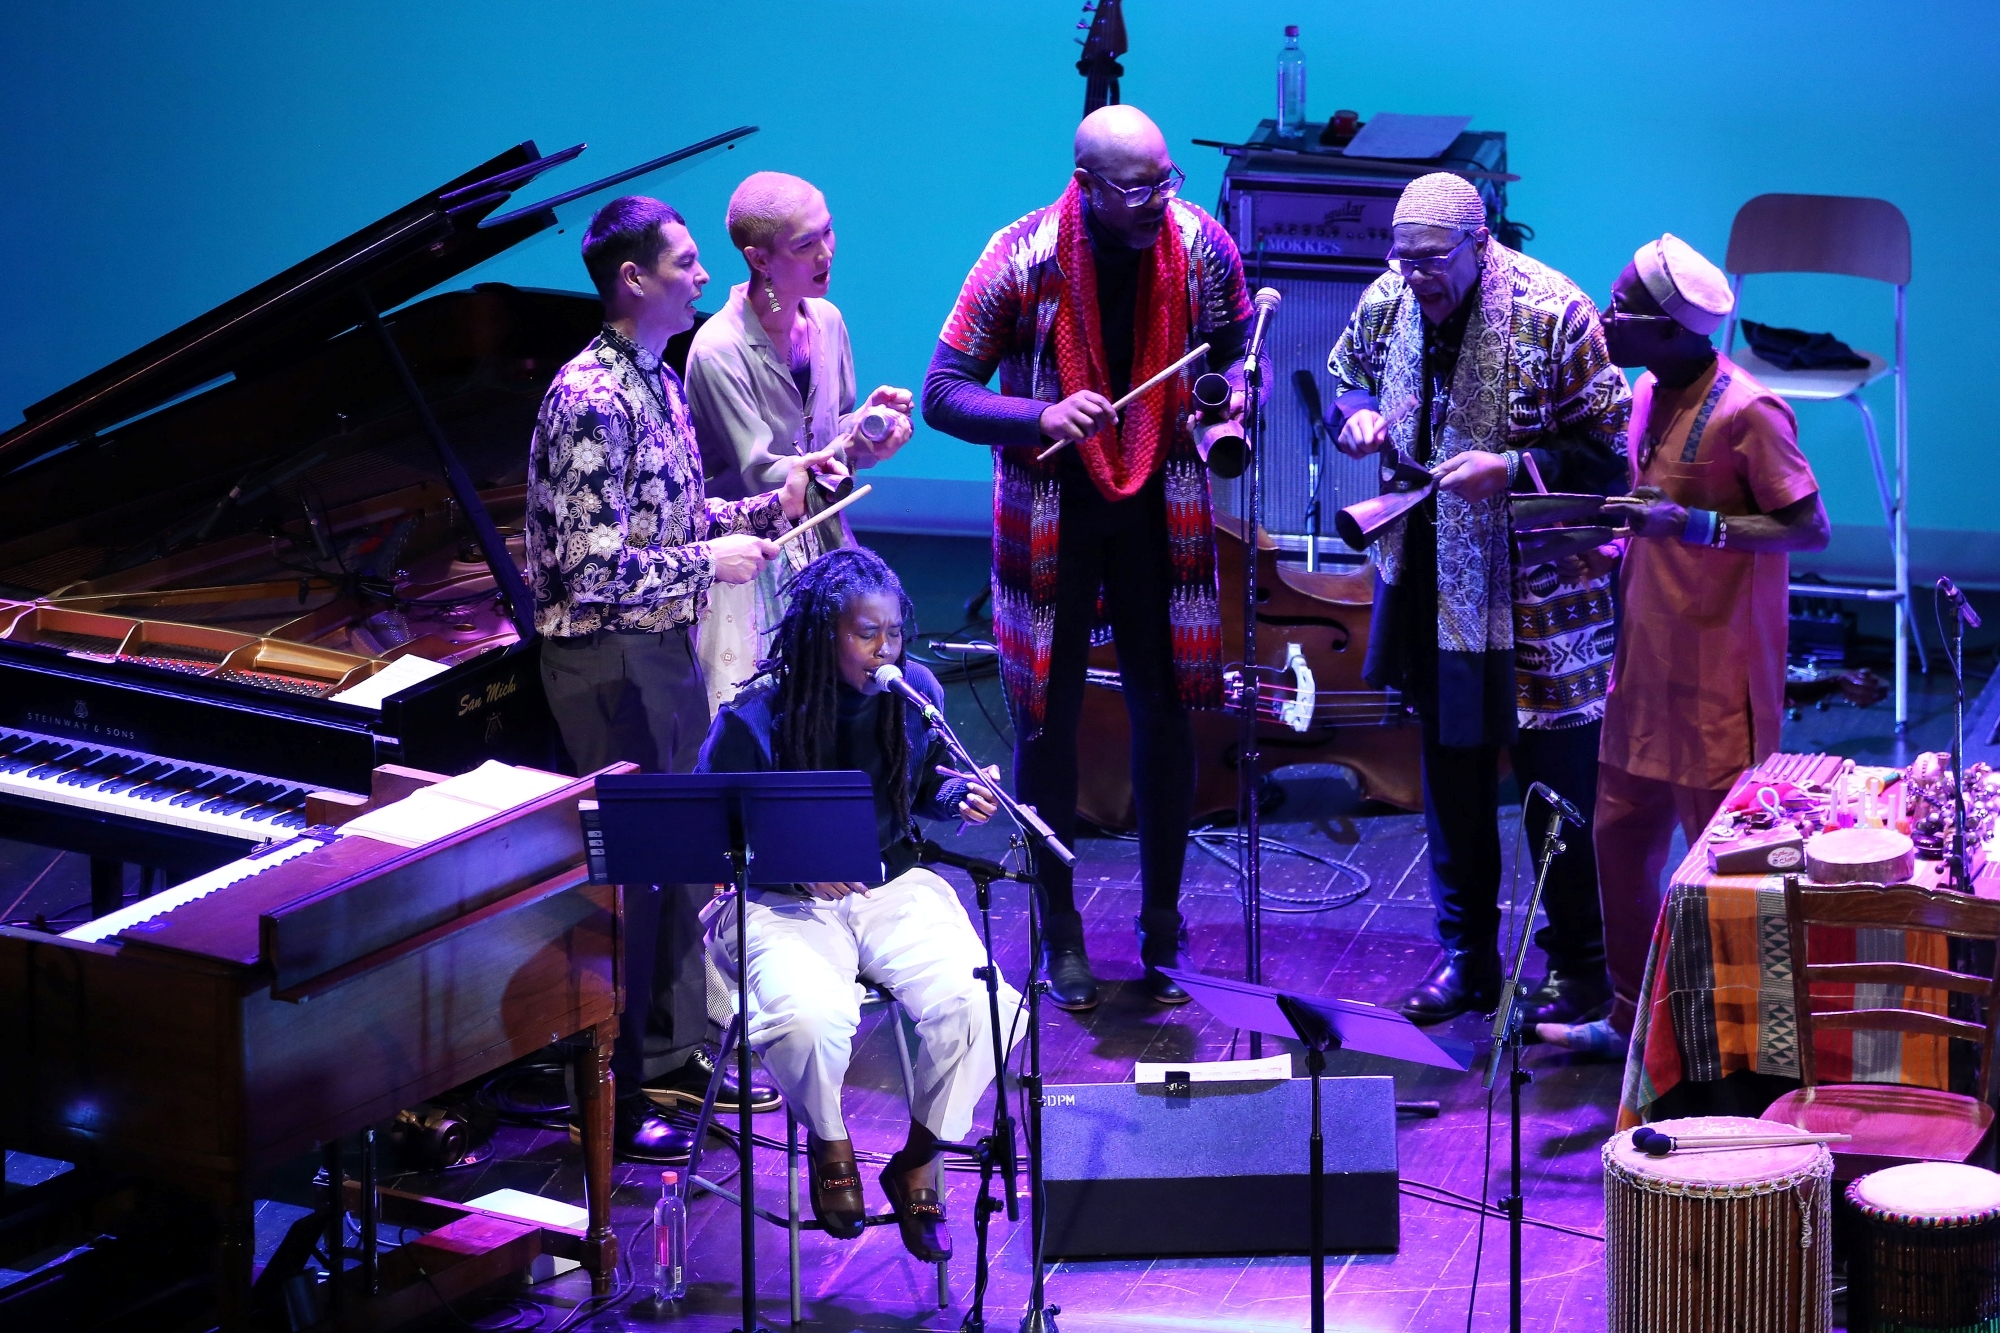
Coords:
1073,305
816,705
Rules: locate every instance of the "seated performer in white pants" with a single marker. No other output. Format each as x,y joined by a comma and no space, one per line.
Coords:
816,706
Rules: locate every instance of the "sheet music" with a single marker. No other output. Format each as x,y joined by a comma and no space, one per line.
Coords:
1410,138
398,675
438,811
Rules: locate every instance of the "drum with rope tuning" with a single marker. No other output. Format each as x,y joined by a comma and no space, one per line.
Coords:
1924,1251
1718,1240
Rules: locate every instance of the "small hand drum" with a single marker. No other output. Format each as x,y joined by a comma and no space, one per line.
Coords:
1926,1249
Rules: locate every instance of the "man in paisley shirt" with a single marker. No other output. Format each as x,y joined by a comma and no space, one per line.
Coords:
622,549
1491,370
1073,305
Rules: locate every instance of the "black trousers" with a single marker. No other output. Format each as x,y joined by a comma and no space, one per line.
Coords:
640,698
1121,547
1462,815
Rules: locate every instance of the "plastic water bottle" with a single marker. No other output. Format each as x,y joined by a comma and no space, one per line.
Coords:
670,1241
1291,86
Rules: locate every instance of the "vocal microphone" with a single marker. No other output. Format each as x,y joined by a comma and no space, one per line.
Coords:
1308,387
890,677
1266,304
1957,599
1570,814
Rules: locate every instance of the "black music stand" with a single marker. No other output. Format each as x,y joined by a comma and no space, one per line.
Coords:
678,828
1322,1025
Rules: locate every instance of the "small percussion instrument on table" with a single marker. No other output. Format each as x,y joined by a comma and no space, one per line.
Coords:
1718,1239
1925,1251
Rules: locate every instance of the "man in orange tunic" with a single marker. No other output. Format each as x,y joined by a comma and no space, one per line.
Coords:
1721,495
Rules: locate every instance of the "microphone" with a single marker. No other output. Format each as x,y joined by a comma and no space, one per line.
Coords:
1308,387
1958,603
890,677
1266,304
1571,815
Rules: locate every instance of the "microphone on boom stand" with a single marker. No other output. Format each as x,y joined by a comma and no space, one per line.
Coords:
1265,303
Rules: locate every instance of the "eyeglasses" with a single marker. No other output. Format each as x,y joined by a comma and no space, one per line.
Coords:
1611,317
1431,266
1138,196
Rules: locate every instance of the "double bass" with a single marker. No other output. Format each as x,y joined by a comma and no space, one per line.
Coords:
1313,706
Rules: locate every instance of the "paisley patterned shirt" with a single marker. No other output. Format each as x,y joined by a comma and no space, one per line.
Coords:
618,524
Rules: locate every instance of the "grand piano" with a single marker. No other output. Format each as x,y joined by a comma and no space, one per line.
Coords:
280,545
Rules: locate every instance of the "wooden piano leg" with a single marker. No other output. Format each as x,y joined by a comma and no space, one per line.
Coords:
107,886
236,1258
592,1060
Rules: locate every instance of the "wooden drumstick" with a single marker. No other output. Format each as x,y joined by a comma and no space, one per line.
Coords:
1655,1144
824,514
1157,380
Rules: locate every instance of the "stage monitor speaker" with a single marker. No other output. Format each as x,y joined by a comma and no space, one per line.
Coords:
1132,1171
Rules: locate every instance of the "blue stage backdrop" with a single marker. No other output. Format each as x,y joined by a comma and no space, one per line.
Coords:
158,158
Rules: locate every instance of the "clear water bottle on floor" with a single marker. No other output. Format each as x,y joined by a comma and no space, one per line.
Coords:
670,1244
1291,86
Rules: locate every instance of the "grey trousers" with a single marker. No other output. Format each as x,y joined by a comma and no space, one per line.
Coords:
640,698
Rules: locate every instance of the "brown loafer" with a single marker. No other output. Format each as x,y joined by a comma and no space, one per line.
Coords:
919,1215
836,1192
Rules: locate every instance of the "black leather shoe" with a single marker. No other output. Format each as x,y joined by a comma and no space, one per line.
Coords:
836,1189
687,1086
919,1214
1160,988
1567,998
1071,986
1462,983
640,1134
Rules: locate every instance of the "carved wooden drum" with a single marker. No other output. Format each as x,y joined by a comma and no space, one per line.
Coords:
1925,1254
1718,1240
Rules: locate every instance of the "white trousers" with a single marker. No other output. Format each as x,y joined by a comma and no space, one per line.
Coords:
911,935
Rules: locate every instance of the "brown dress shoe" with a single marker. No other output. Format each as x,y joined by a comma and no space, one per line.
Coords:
919,1214
836,1189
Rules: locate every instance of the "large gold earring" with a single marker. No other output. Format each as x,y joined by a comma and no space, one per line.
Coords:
771,291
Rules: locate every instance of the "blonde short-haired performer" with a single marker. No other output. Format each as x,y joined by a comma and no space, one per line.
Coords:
770,377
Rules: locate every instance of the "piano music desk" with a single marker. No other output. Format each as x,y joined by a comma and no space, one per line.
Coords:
315,999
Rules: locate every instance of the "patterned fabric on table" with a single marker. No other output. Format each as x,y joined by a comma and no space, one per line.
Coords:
1005,315
1718,998
617,516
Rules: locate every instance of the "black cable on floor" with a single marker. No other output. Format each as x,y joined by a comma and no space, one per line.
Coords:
1485,1183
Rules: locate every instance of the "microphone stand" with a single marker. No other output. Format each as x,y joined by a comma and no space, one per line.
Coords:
1507,1036
1961,868
1040,1316
1247,756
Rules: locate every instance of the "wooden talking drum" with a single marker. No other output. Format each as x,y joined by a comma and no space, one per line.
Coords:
1860,856
1718,1240
1925,1256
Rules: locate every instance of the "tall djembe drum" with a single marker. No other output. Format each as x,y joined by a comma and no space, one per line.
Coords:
1718,1240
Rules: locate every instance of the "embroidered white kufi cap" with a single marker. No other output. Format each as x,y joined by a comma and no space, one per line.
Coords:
1441,200
1688,287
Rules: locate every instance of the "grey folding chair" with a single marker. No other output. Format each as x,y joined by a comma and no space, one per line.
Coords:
1857,238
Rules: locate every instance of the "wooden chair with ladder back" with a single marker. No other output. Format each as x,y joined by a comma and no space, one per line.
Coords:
1891,1123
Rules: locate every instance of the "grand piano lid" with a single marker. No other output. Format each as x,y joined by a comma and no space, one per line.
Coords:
432,239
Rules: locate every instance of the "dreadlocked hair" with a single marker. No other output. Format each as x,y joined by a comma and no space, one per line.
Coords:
804,667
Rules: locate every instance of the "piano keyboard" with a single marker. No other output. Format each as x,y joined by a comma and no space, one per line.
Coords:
166,900
141,786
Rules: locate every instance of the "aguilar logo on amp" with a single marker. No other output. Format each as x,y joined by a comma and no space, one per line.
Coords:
495,691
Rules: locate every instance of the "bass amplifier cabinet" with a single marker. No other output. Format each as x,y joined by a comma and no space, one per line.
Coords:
1315,224
1131,1171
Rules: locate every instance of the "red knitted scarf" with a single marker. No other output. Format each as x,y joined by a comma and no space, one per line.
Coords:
1120,461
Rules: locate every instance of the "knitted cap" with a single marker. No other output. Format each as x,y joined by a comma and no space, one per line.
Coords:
1441,200
1687,286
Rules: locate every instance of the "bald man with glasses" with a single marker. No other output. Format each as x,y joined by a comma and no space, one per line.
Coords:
1490,369
1072,305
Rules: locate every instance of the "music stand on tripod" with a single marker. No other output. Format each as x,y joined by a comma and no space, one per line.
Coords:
1322,1025
679,828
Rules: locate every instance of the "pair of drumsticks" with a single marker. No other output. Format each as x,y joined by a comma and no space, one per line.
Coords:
1655,1144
